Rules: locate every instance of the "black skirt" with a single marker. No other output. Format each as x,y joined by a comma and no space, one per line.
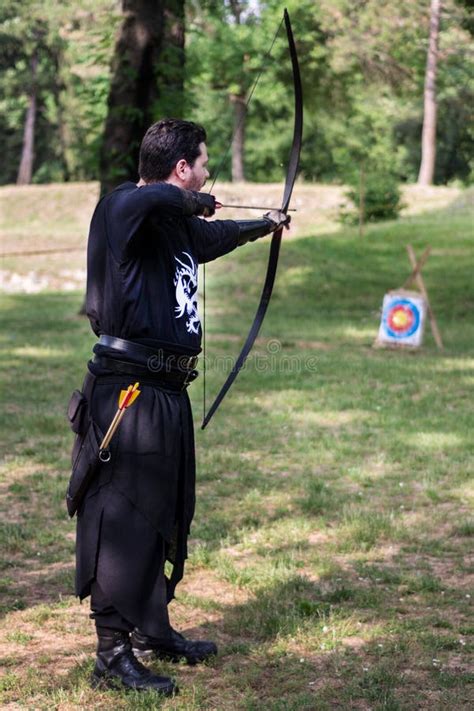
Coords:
145,495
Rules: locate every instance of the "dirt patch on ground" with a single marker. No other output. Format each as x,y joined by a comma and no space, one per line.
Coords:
446,569
38,583
54,638
203,583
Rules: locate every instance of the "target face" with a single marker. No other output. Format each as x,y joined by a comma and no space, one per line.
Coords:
403,318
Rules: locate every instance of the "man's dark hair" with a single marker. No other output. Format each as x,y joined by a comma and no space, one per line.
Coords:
167,142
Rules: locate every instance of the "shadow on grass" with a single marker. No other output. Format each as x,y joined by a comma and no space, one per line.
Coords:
351,642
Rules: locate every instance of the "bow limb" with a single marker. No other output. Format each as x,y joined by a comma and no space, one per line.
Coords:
276,239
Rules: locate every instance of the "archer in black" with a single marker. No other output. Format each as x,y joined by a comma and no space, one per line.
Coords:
134,510
144,249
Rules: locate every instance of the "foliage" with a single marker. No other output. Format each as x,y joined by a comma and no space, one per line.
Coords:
362,68
73,42
26,33
375,197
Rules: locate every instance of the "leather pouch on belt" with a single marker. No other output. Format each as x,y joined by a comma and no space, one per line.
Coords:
84,467
76,411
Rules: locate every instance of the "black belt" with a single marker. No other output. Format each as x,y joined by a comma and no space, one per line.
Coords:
176,380
158,359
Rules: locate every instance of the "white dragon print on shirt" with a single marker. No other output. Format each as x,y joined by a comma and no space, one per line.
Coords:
186,283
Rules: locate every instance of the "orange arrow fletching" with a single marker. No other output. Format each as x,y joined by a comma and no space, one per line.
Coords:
128,396
123,395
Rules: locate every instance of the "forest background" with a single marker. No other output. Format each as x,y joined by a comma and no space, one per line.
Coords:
362,63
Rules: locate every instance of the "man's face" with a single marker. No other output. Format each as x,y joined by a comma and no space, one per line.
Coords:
194,177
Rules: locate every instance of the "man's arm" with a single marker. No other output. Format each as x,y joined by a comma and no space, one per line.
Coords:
129,207
214,239
250,230
136,204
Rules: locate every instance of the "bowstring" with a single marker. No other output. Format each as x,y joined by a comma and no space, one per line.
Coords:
244,113
218,170
204,339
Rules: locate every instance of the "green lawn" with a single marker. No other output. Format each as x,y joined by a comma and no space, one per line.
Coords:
331,552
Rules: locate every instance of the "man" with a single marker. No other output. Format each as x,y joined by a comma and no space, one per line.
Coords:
145,243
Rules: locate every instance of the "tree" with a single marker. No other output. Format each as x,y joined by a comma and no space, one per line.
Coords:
25,170
147,82
239,103
29,50
48,114
219,30
428,141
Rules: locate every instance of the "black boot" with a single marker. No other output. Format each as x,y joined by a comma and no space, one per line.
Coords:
117,666
173,648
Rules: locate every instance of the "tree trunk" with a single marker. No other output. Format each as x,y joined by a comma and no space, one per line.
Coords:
169,84
25,170
147,83
236,7
57,88
428,141
238,138
239,105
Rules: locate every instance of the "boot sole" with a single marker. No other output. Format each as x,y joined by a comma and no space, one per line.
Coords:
115,684
143,653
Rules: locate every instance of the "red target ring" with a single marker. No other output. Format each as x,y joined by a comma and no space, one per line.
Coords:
400,318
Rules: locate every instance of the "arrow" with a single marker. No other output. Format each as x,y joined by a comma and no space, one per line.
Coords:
252,207
127,397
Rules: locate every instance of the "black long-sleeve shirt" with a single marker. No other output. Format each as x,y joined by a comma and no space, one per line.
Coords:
142,265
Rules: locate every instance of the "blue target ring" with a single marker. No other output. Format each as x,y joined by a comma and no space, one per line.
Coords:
401,318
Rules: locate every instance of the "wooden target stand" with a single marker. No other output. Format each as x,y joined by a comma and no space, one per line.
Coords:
402,298
416,277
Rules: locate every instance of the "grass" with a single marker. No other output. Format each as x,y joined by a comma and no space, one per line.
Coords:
331,552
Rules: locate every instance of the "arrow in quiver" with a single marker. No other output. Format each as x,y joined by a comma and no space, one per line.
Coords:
127,397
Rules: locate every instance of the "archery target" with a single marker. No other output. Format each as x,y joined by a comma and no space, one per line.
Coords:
403,319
